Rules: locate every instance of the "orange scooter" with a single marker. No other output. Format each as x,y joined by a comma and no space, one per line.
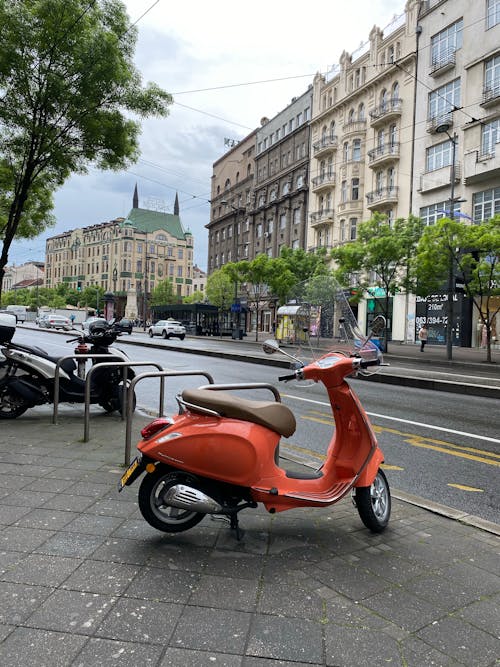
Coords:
220,454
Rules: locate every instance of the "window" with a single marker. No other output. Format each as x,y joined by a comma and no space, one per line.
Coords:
391,177
350,118
383,100
353,224
430,214
332,129
361,111
490,137
390,54
492,75
379,179
446,42
258,231
307,113
346,151
355,189
342,232
296,216
393,135
283,221
343,192
444,99
439,156
486,204
295,244
395,92
493,13
356,150
286,188
300,181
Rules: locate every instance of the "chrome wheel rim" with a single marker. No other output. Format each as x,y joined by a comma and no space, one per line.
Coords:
379,494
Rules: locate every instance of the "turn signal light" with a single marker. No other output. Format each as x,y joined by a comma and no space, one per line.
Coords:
155,426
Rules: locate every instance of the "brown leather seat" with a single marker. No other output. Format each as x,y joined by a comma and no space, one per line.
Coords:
271,414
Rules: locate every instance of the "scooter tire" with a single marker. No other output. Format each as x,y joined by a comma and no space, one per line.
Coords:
12,405
374,503
163,517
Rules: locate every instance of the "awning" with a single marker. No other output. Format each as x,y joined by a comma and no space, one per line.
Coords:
288,310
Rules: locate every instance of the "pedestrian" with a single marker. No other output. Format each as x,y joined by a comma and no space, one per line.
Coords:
423,334
72,318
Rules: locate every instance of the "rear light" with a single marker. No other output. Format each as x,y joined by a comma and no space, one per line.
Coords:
155,427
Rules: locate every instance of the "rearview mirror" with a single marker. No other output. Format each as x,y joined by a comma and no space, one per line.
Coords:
378,325
270,346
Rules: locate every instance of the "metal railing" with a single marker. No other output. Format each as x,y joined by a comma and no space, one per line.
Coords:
130,399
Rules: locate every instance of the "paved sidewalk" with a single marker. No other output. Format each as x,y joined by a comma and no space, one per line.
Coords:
86,582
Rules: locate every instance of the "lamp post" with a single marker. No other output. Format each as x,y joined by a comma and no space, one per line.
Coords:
443,128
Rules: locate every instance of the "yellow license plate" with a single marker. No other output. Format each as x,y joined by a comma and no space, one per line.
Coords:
129,472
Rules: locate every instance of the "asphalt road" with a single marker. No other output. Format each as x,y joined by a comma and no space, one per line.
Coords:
441,446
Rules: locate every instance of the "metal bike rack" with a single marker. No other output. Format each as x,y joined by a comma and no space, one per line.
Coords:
130,399
117,364
57,376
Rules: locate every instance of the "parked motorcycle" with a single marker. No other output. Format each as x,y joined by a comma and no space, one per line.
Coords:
27,374
220,454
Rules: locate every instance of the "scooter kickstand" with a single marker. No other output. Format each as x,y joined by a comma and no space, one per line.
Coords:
239,532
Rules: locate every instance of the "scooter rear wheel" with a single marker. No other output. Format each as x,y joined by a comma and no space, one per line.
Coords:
155,512
374,503
12,405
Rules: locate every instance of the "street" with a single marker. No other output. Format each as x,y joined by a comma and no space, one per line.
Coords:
443,447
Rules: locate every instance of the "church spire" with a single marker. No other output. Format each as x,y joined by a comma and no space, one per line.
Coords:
176,204
135,201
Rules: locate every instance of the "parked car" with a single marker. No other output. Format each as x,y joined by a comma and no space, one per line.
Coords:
86,323
56,322
124,325
167,329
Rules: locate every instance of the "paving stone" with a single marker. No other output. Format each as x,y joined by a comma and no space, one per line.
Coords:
70,544
117,550
290,600
23,539
41,569
93,524
160,584
461,641
73,611
141,621
10,514
207,629
99,577
50,519
359,647
29,646
67,502
391,603
175,657
20,600
110,653
286,639
484,614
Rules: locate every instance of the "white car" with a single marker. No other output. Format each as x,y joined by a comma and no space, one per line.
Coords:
167,329
55,322
87,323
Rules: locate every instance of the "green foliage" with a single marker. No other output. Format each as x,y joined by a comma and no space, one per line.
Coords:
70,93
195,297
220,288
163,293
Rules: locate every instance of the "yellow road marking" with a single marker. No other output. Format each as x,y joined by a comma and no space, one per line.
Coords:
385,466
462,487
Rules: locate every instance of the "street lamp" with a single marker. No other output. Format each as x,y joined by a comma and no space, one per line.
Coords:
443,128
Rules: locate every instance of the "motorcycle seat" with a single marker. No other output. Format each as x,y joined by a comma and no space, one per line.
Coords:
270,414
68,365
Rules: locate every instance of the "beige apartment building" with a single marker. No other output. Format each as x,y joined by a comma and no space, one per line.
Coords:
127,256
457,123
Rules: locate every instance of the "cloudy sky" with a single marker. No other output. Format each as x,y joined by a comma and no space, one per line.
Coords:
226,68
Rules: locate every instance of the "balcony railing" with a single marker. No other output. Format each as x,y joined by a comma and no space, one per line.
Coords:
383,153
443,62
433,122
479,165
354,127
439,178
325,180
325,145
322,217
381,196
385,111
491,94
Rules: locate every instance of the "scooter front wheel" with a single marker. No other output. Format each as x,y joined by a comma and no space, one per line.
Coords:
374,503
153,508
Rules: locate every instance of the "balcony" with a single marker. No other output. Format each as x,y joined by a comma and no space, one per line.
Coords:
322,217
491,95
443,62
350,206
439,178
435,122
324,146
354,127
478,166
385,112
383,154
382,197
323,181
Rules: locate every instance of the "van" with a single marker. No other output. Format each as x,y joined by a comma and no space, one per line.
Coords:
18,311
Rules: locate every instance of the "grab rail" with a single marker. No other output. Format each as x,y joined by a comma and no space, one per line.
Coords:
117,364
130,400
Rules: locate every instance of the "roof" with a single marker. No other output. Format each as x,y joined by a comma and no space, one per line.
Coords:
152,221
291,310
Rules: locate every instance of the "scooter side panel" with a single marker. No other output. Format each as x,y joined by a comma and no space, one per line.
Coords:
230,450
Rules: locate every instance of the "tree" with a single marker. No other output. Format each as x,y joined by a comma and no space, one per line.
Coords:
379,257
452,248
257,275
220,289
195,297
68,92
163,293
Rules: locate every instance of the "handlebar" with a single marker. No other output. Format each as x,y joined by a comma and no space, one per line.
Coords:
285,378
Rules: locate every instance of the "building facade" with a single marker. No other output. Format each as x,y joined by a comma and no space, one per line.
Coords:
29,274
127,256
457,121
